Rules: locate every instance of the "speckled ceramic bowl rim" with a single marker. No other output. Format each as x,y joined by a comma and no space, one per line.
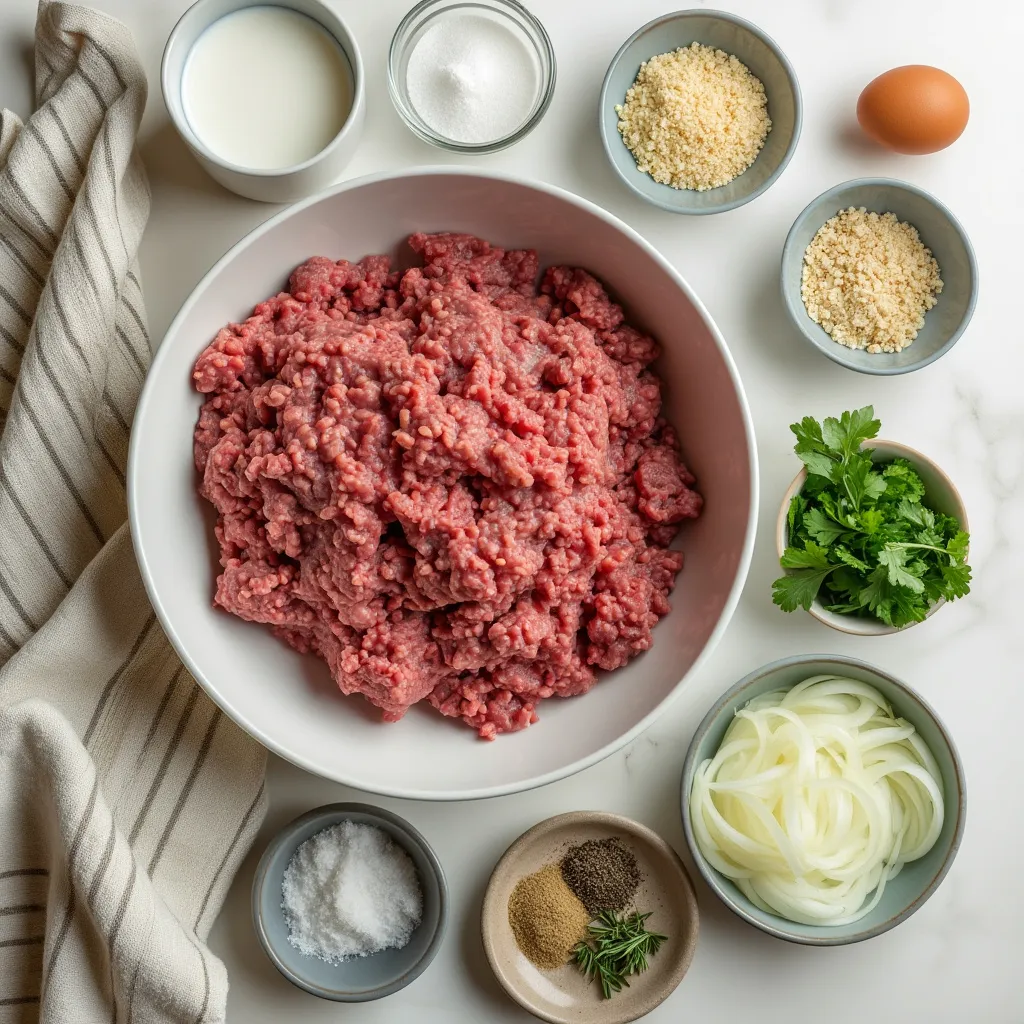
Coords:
332,814
611,821
843,622
798,108
794,304
733,697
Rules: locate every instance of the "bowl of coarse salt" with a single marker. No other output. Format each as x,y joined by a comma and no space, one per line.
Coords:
350,902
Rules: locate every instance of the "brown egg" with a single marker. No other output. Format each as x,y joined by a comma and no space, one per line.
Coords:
914,109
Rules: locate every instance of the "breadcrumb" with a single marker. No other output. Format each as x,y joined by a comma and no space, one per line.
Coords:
868,280
695,118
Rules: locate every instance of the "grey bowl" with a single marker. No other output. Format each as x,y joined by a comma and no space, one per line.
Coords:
908,891
939,230
363,978
765,60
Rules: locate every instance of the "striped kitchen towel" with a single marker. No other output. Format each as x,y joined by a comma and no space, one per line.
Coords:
127,799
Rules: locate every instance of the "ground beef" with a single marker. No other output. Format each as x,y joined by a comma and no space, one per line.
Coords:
450,484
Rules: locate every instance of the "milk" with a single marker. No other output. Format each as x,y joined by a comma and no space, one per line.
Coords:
266,88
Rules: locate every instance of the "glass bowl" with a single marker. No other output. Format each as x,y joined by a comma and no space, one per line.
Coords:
508,12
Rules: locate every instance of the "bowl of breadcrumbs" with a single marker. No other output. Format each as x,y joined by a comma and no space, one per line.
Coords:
700,112
879,276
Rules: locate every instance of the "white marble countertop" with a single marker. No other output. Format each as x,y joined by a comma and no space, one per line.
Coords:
956,960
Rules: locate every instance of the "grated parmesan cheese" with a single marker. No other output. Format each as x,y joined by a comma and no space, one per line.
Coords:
868,280
694,118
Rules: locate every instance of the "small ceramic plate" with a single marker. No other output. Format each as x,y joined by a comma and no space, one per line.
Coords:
564,996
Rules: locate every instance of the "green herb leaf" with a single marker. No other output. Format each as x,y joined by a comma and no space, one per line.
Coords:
956,581
796,511
861,482
850,559
811,556
822,527
957,546
894,558
819,465
877,594
812,450
916,513
871,520
902,480
848,434
798,589
907,608
808,434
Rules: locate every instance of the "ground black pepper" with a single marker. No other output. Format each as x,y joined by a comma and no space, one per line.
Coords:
603,874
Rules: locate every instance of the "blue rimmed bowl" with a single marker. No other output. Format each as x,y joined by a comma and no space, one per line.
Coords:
908,891
940,231
766,62
359,979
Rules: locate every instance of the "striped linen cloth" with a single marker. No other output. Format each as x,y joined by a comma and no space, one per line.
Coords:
127,799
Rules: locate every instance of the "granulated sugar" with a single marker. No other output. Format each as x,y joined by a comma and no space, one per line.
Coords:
350,890
471,79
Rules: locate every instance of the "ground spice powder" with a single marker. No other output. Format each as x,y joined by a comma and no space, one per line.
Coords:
603,873
546,918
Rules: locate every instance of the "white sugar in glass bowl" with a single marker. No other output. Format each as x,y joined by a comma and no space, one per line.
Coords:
289,701
506,27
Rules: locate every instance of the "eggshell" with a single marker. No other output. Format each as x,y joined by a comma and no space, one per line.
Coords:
914,109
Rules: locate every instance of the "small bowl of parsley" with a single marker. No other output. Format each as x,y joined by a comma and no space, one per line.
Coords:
873,537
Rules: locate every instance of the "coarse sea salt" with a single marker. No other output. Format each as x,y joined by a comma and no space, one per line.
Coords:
348,891
472,79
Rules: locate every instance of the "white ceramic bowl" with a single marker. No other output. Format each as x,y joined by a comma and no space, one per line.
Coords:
940,494
289,702
280,185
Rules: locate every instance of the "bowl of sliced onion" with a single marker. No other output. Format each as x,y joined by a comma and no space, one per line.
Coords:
823,800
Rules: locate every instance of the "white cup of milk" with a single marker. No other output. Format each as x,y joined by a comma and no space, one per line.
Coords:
269,95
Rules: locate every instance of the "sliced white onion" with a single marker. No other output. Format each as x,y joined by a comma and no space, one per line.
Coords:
816,797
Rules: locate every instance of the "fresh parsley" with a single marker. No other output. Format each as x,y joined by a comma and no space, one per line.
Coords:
861,539
618,945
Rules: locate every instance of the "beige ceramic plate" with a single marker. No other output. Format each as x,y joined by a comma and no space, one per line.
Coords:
564,996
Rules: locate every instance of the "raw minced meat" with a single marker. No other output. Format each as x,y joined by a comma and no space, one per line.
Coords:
449,483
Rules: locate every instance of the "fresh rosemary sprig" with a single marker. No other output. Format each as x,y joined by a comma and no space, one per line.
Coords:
618,945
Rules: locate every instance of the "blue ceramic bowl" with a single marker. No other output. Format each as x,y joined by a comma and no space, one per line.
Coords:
939,230
363,978
918,880
751,46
